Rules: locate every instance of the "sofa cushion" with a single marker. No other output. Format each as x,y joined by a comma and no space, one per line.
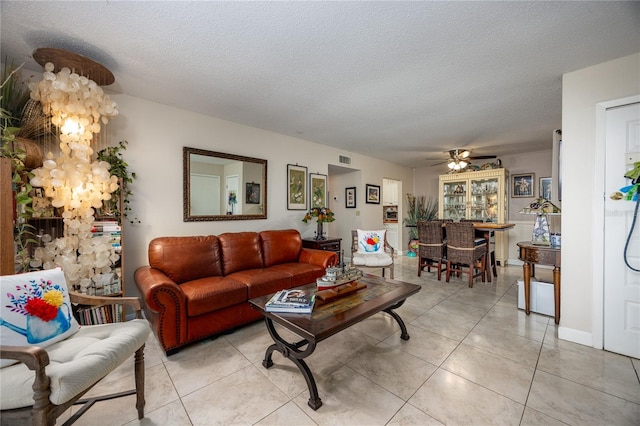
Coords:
213,293
260,282
240,251
282,246
186,259
300,273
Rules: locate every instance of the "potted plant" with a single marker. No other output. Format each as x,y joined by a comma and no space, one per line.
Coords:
323,215
418,208
113,155
13,96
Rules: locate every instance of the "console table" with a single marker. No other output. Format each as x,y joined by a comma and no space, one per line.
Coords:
329,244
531,255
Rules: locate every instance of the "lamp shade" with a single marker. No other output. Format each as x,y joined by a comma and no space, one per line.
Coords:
541,207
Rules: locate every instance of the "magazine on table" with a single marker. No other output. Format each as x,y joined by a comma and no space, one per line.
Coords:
293,301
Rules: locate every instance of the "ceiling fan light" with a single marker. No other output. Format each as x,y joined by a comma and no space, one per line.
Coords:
452,164
462,164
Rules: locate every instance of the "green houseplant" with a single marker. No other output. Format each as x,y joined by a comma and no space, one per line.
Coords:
418,208
114,156
13,96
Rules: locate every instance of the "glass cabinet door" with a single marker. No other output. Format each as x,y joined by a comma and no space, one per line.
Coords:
484,199
454,200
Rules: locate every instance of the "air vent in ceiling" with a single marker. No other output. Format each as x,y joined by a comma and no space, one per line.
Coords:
345,160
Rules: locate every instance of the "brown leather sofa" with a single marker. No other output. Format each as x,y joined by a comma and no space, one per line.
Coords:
197,287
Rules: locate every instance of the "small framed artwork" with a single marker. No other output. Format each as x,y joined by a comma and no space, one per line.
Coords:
373,194
522,185
545,188
318,190
350,197
296,187
252,192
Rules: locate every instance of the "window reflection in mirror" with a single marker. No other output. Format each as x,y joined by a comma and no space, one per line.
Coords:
220,186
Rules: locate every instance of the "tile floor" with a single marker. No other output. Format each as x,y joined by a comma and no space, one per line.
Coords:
473,358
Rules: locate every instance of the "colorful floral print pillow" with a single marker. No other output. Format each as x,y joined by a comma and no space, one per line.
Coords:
370,241
35,310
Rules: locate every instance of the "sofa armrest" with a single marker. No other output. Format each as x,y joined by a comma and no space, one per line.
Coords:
322,258
165,306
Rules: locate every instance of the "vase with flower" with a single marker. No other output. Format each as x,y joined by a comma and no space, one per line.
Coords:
323,215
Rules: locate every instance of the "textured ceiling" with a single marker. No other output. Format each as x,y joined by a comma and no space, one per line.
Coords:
402,81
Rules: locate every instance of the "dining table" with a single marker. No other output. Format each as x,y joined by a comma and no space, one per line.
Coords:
487,229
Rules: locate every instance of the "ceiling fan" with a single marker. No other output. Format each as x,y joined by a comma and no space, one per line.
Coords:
461,158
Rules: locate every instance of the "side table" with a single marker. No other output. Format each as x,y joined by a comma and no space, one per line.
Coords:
531,255
329,244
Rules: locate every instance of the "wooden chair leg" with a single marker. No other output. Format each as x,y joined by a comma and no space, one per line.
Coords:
485,268
448,273
439,269
139,378
471,271
493,264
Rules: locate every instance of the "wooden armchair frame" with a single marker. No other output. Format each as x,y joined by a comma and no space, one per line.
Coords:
43,412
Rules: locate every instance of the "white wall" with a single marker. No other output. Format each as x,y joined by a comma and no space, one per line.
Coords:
156,135
582,91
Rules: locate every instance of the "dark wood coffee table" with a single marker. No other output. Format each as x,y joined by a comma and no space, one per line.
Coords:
381,295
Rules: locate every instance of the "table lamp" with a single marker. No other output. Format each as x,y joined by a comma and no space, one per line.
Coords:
541,208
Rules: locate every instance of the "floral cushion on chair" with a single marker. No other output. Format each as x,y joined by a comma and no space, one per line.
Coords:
370,242
35,309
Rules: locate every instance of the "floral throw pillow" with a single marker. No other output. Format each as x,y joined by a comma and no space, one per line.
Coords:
35,309
370,241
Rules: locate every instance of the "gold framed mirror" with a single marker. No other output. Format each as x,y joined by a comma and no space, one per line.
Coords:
220,186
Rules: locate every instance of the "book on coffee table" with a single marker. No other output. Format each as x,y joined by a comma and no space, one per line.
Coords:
291,301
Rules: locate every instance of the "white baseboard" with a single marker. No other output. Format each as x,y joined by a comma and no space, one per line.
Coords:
575,336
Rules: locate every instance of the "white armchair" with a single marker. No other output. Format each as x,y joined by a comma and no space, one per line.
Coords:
47,381
378,255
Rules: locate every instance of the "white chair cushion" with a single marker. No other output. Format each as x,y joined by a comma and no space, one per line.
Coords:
75,363
373,260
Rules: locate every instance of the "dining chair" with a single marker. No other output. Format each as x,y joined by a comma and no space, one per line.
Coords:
491,248
432,248
464,249
370,249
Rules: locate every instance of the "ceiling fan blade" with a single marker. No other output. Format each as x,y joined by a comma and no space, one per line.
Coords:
481,157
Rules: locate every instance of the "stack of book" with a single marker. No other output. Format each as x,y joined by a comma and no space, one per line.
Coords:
103,314
291,301
110,228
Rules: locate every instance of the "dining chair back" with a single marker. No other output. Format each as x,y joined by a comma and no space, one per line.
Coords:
465,250
432,248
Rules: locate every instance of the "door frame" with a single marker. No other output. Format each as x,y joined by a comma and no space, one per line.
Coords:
597,334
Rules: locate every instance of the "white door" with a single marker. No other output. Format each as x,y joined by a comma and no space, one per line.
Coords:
621,284
205,195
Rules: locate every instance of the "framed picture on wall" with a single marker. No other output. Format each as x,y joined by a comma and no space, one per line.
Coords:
350,197
522,185
252,192
296,187
373,194
318,190
545,188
